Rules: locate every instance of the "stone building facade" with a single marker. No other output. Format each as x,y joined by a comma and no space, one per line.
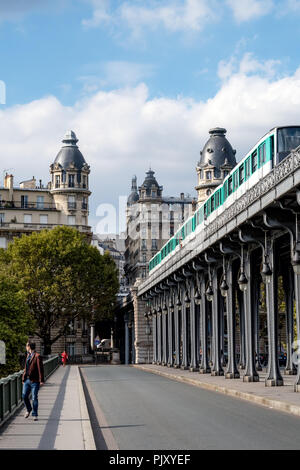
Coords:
151,220
32,207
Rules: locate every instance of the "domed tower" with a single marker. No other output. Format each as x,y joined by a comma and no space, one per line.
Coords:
150,188
134,195
70,182
217,159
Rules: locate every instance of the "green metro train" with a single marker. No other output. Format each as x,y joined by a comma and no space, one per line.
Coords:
270,150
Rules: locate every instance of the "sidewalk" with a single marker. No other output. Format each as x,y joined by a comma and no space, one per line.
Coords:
279,398
63,418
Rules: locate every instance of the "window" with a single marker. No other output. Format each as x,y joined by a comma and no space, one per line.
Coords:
230,185
57,181
154,244
71,181
208,192
241,174
208,175
84,220
27,218
40,202
254,161
84,203
2,217
262,154
212,203
247,168
235,180
24,202
144,258
226,172
43,219
153,193
84,181
144,246
71,349
71,220
71,202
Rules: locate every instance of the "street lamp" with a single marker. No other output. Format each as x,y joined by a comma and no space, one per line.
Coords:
266,272
197,297
224,287
209,292
171,306
187,300
243,282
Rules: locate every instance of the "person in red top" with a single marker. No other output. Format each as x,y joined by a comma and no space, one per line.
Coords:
64,358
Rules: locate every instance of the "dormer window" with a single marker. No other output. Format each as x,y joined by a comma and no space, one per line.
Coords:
71,181
153,193
208,175
57,181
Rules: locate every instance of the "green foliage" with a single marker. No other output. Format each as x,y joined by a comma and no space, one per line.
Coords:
16,323
62,278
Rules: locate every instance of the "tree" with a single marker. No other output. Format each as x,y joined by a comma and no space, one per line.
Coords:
62,278
16,323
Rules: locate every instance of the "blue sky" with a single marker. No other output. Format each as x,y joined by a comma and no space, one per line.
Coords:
141,82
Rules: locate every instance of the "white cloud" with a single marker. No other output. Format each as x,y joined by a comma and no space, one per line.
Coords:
247,65
245,10
120,132
186,15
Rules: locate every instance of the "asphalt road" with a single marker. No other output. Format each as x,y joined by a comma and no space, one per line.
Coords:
145,411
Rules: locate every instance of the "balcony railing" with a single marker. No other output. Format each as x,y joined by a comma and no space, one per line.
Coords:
11,205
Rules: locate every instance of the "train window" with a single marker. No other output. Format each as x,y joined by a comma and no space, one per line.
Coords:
212,203
217,199
229,185
247,168
225,190
241,173
254,161
235,181
262,154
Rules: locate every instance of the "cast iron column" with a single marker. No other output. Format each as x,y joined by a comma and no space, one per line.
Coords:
193,365
216,311
232,370
204,366
241,302
184,364
274,377
288,286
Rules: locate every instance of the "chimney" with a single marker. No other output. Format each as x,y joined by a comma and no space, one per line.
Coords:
182,196
8,181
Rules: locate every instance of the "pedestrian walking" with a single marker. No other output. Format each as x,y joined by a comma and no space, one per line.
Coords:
64,358
33,377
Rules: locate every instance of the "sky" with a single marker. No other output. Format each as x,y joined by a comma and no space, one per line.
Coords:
141,83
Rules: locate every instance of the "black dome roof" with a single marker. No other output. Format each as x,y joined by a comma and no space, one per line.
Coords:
217,150
134,195
70,153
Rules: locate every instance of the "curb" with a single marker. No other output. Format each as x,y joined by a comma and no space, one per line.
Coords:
88,437
257,399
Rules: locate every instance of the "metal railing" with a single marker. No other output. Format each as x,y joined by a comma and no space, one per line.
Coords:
11,389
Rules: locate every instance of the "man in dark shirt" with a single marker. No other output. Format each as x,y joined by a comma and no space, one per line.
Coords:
32,378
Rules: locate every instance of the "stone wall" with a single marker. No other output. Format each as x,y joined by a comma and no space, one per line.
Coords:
143,342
